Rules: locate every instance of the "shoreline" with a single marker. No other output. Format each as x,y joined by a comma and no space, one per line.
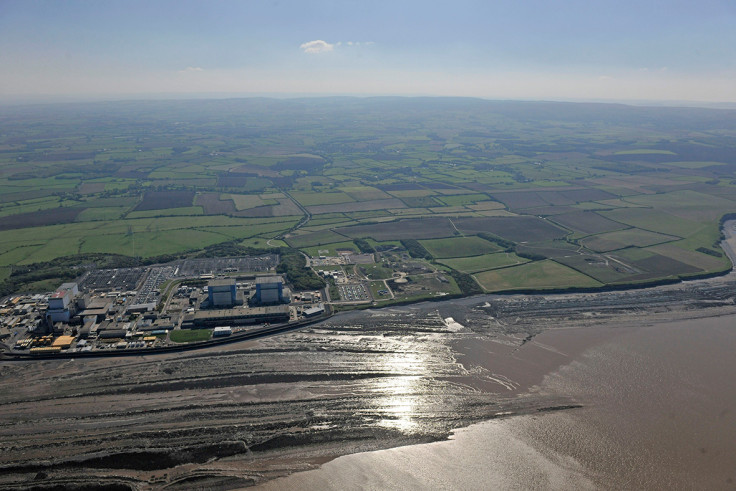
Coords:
496,370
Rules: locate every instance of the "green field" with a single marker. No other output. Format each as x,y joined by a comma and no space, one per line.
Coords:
459,247
190,335
330,249
625,238
574,184
537,275
476,264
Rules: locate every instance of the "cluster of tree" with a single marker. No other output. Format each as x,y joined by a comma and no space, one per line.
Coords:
294,266
20,282
364,246
466,283
232,248
710,252
334,292
415,249
531,256
507,245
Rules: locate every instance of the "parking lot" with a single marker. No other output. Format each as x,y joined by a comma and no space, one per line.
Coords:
249,264
148,292
353,292
105,280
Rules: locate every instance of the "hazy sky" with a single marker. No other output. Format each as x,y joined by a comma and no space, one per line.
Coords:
519,49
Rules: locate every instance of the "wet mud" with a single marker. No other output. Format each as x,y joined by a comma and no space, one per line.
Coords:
242,414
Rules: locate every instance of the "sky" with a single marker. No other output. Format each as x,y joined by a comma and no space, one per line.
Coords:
642,50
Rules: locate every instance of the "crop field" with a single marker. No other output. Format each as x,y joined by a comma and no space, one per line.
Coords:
692,258
160,200
654,221
321,198
315,238
459,247
573,182
382,204
517,229
425,228
632,237
687,204
587,222
607,269
40,218
476,264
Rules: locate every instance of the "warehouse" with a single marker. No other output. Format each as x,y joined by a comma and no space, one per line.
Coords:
237,316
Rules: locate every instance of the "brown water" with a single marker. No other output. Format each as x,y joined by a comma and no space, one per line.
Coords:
659,413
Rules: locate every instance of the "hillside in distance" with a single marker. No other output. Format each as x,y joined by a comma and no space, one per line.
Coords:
496,195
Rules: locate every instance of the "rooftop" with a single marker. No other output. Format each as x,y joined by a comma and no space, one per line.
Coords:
268,279
222,282
240,312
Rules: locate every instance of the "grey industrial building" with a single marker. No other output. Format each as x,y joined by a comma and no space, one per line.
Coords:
61,308
237,316
222,293
270,290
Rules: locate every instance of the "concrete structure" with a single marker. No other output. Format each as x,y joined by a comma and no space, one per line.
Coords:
269,290
315,311
60,306
71,287
141,307
222,293
113,334
96,308
60,299
237,316
221,331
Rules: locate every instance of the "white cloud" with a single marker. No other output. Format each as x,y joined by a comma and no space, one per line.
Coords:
316,47
191,69
319,46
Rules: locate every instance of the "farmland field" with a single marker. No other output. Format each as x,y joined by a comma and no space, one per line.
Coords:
625,238
425,228
587,185
485,262
459,247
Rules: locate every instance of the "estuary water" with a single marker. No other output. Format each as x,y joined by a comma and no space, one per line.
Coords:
658,412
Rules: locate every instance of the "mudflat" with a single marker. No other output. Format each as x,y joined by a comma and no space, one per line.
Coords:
247,413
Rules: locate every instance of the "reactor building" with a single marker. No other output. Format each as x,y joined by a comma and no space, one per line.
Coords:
270,290
222,293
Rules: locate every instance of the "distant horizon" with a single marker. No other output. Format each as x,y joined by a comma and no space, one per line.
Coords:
627,51
48,99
